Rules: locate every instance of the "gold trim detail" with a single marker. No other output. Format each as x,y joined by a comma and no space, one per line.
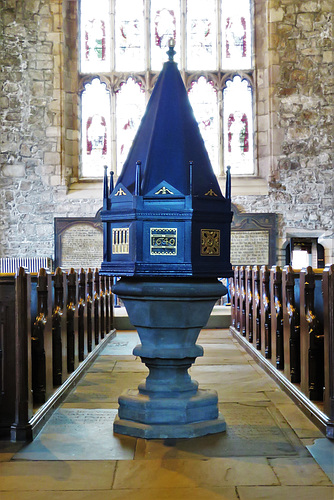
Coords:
120,192
210,242
164,190
163,241
120,240
211,193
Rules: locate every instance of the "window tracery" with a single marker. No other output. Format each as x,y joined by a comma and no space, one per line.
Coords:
123,47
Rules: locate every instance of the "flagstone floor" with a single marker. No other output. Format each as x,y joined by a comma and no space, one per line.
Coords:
269,451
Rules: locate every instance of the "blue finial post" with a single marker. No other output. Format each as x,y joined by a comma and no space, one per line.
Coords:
105,188
111,187
191,164
228,183
137,180
111,181
171,52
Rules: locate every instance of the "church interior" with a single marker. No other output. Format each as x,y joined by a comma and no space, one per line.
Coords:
75,82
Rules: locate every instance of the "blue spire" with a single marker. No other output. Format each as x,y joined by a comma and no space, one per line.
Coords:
169,138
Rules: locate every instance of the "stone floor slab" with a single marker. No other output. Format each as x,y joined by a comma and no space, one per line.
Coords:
302,425
216,472
134,366
301,471
252,430
103,364
322,450
97,405
56,475
99,387
79,434
286,493
127,494
123,343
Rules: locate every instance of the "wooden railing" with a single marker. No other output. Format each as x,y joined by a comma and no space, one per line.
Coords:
285,319
51,329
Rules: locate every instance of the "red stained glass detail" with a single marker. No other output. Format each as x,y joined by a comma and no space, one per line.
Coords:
243,133
244,140
159,37
241,42
98,44
228,27
97,137
243,22
231,120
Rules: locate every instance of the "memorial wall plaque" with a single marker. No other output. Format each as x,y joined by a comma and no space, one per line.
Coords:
78,242
251,247
253,238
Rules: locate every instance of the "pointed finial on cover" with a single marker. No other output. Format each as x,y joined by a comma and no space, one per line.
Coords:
138,178
191,164
228,183
171,52
105,187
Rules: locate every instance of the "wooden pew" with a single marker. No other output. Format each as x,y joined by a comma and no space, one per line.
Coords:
257,298
41,347
291,324
15,345
89,302
311,334
45,339
249,303
277,342
233,300
96,306
59,330
328,295
72,321
242,299
82,316
291,313
265,313
237,297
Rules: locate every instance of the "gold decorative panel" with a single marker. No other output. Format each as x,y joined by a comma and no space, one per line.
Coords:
163,241
120,240
210,242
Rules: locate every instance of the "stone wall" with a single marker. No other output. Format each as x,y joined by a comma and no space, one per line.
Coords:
300,126
37,104
39,121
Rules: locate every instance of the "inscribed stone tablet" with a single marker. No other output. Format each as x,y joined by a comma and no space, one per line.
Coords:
249,248
82,246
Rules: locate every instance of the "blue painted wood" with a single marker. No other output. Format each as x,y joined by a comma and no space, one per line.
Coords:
167,185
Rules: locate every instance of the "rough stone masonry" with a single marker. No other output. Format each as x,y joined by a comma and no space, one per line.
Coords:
39,121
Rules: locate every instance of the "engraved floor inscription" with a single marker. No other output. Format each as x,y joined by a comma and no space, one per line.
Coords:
79,434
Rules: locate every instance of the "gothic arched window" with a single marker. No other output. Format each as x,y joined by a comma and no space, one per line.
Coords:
123,45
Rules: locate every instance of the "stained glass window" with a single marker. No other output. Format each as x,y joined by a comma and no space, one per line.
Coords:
95,36
124,42
201,35
165,24
236,35
129,35
203,99
95,129
238,126
130,107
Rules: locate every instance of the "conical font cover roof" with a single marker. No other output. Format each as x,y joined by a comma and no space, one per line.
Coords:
168,138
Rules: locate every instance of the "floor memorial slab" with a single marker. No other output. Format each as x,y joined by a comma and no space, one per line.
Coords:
252,430
123,343
79,434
